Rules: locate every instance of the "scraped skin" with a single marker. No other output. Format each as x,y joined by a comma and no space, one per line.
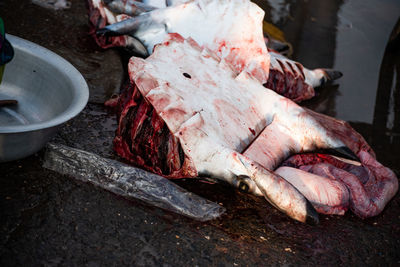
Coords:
128,7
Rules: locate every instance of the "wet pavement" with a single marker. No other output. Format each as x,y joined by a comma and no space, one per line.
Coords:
47,219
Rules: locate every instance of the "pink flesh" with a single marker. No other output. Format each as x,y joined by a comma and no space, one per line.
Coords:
276,143
211,122
326,194
287,78
370,184
211,116
143,138
343,131
99,17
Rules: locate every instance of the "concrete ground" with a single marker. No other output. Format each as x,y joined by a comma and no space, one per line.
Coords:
47,219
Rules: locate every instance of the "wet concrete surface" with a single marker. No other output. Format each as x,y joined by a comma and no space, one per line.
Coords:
47,219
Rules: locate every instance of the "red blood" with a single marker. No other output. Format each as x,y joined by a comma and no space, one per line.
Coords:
143,138
252,131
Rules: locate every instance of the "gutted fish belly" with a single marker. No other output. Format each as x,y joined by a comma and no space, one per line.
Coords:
99,17
144,139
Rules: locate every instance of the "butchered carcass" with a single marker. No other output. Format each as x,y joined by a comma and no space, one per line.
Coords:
188,113
230,28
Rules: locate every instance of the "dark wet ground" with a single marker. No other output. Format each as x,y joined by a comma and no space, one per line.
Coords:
49,219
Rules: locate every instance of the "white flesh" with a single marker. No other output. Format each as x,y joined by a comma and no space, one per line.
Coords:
217,114
230,28
327,195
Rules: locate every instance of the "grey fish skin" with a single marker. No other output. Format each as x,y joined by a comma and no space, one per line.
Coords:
130,26
135,46
331,75
280,193
130,7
